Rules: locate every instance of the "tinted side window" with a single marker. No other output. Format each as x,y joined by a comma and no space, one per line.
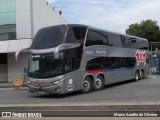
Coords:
95,64
123,62
110,63
114,62
95,37
76,34
72,58
131,42
120,62
114,40
131,61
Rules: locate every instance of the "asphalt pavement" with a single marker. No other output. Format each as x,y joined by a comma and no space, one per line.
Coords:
143,91
143,95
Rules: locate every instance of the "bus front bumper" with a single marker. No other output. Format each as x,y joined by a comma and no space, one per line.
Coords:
47,88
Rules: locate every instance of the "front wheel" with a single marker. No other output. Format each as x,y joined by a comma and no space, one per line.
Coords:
87,85
99,83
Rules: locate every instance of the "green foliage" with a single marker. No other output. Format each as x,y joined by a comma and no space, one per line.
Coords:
146,29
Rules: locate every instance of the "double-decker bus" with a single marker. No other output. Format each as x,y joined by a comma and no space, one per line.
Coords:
68,58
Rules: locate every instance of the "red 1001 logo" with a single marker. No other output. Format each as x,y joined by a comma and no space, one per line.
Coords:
140,57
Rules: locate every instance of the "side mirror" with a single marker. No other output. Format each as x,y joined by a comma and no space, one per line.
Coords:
66,46
18,52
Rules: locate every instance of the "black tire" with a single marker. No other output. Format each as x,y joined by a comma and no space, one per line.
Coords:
87,85
99,83
137,76
142,74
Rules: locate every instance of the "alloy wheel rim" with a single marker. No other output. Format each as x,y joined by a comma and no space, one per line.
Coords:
86,85
136,75
98,83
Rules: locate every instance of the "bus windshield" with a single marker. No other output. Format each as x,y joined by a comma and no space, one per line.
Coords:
49,37
45,65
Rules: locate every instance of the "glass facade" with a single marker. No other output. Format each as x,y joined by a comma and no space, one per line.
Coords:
7,20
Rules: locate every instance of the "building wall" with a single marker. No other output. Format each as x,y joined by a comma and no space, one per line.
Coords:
31,15
3,72
44,16
23,18
23,29
11,46
15,68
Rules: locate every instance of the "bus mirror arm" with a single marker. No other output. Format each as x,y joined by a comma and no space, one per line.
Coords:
55,50
18,52
66,46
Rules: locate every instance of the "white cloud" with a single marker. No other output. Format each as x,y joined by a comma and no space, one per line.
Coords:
115,15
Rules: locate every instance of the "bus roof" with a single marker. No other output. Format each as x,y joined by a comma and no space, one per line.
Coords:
81,25
107,31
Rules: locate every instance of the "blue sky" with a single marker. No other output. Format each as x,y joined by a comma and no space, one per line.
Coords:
114,15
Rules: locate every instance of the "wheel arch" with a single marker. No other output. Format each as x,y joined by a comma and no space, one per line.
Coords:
137,70
89,75
101,74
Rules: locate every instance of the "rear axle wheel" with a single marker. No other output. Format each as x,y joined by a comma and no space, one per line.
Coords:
99,83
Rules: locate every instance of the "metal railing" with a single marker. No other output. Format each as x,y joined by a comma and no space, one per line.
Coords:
154,63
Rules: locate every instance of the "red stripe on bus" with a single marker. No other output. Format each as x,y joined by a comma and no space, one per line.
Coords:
95,71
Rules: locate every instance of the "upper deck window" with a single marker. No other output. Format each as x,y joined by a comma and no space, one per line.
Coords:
76,34
114,40
132,42
96,37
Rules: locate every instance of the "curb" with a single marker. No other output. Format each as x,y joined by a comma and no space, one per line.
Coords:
6,86
9,85
83,107
12,88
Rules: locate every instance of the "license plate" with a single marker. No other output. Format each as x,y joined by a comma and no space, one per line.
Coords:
40,81
40,92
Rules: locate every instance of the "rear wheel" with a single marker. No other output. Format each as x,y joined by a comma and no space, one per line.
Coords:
99,83
137,76
87,85
141,74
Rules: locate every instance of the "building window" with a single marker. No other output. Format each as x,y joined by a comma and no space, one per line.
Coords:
7,20
3,59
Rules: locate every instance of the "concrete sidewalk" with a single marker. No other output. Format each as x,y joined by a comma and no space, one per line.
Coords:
85,110
6,84
9,86
83,106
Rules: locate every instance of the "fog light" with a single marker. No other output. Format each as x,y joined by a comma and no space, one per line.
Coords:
57,89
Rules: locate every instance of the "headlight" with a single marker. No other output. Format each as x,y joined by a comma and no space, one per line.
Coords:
59,81
29,82
56,82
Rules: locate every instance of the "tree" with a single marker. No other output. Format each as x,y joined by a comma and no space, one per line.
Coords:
146,29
